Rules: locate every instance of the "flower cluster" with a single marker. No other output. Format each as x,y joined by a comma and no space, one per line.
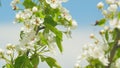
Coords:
40,32
111,12
104,53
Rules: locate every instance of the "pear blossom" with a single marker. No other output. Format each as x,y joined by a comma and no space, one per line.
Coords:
92,35
10,46
102,32
110,1
27,28
9,52
77,65
34,9
104,60
65,14
73,24
117,63
13,4
26,14
53,3
100,5
104,12
96,52
36,20
115,23
113,8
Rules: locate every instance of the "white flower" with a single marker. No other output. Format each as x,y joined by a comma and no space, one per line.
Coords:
10,46
92,35
77,65
36,20
73,24
27,14
115,23
100,5
13,3
65,14
105,12
95,52
118,3
9,52
110,1
117,63
27,28
34,9
113,8
53,3
19,15
104,60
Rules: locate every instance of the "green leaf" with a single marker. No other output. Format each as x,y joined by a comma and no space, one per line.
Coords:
59,44
42,58
58,36
54,30
8,66
107,35
118,15
34,60
117,55
49,20
43,39
52,62
23,62
101,22
89,66
28,4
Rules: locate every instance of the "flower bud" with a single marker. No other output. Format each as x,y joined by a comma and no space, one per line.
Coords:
9,52
73,24
10,46
77,65
104,12
100,5
34,9
96,42
92,35
102,32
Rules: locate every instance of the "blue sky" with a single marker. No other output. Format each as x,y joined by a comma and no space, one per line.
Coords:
83,11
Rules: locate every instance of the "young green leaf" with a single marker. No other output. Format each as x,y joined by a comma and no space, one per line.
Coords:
34,60
52,62
28,3
59,43
101,22
23,62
